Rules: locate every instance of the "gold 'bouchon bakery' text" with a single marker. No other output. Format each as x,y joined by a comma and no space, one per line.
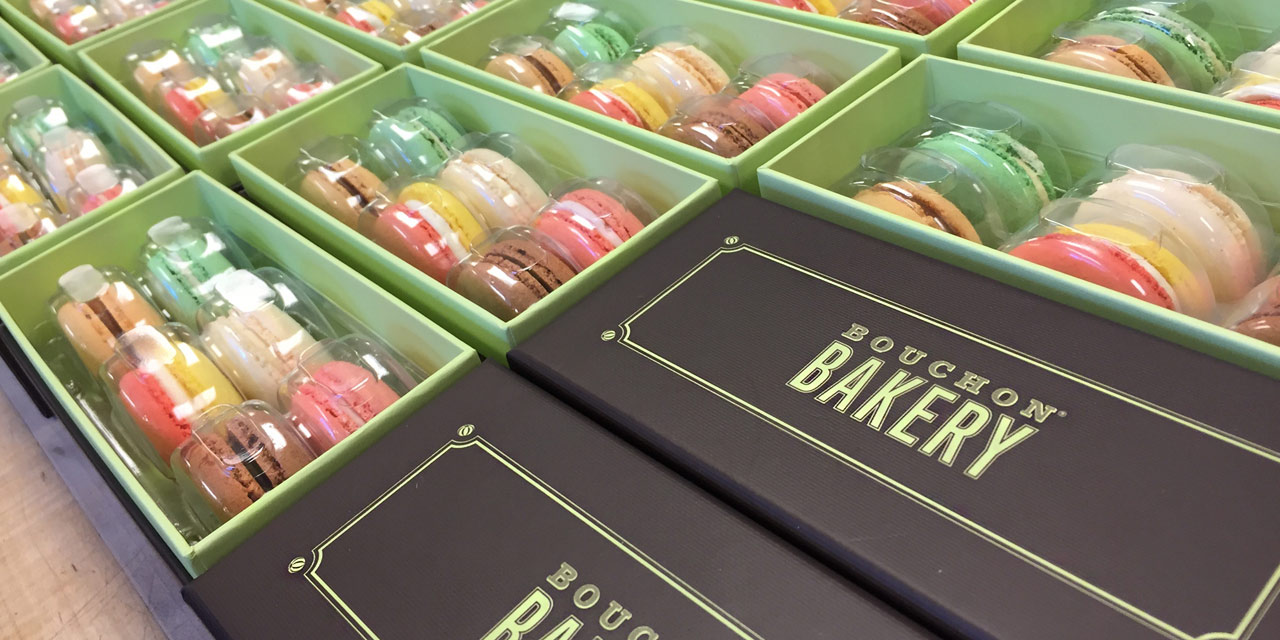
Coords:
587,612
864,377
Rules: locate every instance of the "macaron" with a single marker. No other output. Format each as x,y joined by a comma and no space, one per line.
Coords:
493,187
1010,171
1265,94
1100,261
680,72
250,338
588,224
236,454
920,17
1213,225
182,265
20,223
343,189
412,140
607,103
592,42
1259,314
165,384
725,127
919,203
535,67
333,400
428,227
781,97
1112,56
96,308
15,187
511,275
209,43
1198,55
1192,293
370,16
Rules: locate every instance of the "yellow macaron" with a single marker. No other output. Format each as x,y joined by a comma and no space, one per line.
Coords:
447,206
645,105
1194,295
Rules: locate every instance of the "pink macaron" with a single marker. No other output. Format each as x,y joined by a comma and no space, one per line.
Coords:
781,97
608,103
336,400
588,224
1099,261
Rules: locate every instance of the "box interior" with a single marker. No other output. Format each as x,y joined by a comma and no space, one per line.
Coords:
941,41
118,241
106,64
270,174
22,52
125,141
831,152
1016,38
857,64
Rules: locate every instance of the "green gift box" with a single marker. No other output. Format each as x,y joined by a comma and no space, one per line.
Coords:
18,14
386,52
941,42
268,170
802,176
118,240
20,50
105,65
858,65
123,138
1016,38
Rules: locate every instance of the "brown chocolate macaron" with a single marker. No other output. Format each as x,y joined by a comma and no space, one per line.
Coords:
919,203
511,275
1113,56
725,127
237,456
904,19
538,69
343,189
1264,323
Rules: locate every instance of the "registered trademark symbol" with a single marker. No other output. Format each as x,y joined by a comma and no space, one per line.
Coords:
466,430
609,335
1062,414
297,565
732,240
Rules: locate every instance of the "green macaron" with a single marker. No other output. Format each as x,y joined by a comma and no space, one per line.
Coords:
412,140
592,42
1011,172
1197,54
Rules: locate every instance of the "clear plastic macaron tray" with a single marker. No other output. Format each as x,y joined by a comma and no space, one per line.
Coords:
214,374
1165,225
483,213
55,166
1196,45
221,79
672,80
920,17
399,21
75,20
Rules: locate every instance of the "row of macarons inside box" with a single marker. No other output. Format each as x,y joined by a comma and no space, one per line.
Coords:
223,378
671,79
482,213
75,20
399,21
1188,44
1166,225
920,17
54,167
221,79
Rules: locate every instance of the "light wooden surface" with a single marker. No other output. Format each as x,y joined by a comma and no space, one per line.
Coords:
57,578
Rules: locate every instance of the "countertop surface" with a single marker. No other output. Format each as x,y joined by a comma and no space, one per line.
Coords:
57,577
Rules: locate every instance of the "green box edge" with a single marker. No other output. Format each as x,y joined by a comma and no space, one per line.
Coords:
213,159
